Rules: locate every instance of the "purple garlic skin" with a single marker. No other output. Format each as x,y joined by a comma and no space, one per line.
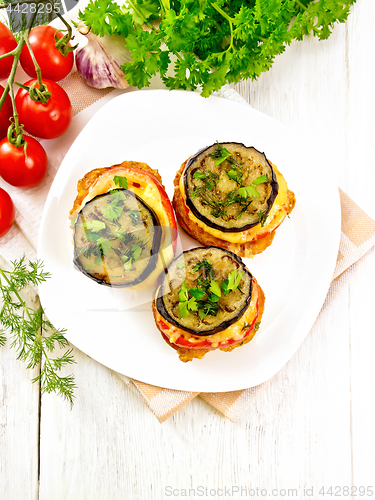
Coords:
99,61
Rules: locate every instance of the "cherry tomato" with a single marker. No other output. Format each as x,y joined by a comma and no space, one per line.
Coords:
48,120
5,113
53,64
6,212
20,170
7,43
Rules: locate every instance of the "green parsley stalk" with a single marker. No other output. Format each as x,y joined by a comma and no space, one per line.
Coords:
210,43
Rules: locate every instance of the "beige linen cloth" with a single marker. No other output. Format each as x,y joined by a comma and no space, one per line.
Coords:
357,239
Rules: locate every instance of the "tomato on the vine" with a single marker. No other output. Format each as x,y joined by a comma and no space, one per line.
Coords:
6,112
53,64
20,170
6,212
49,120
7,43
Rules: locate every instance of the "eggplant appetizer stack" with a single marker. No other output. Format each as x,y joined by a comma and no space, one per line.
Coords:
207,300
124,229
231,196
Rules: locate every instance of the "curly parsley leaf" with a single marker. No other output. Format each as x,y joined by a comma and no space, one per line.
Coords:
121,181
210,43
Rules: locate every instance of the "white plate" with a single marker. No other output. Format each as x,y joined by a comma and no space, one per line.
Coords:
116,327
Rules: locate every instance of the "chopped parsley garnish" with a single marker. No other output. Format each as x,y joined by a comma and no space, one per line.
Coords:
248,191
262,217
135,216
113,212
260,180
200,175
94,225
121,181
241,195
233,281
204,299
220,154
132,253
211,179
181,265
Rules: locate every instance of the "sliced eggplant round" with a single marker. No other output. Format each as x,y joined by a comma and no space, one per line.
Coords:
116,239
230,187
205,290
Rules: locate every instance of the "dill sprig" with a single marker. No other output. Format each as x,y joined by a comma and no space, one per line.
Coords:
33,336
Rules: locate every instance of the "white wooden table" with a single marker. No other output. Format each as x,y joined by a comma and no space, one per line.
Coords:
311,426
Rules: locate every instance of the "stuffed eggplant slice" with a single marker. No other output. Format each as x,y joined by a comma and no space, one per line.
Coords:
124,229
207,300
231,196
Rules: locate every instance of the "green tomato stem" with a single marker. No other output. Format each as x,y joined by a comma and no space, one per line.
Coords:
15,133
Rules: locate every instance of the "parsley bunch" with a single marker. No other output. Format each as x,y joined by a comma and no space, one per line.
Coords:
210,43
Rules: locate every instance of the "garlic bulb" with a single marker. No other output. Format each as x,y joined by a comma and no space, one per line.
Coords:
99,61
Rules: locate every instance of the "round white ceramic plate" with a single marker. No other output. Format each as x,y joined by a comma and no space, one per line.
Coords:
116,327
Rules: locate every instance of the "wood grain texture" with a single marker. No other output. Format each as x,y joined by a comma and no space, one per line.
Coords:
309,426
19,422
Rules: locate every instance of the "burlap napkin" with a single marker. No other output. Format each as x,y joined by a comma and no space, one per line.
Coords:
357,238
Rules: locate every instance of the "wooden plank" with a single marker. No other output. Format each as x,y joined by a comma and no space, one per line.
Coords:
19,424
361,178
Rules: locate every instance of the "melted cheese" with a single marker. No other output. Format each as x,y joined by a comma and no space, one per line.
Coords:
275,216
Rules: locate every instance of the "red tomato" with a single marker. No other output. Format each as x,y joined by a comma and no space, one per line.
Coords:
6,212
5,113
7,43
48,120
53,64
21,171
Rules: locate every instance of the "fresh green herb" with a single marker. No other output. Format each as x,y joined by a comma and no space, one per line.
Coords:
132,253
197,293
137,250
245,327
208,307
233,281
211,180
181,265
204,265
250,191
117,195
220,154
200,175
135,216
185,305
94,225
32,334
262,217
105,245
260,180
183,293
212,43
121,181
256,327
215,288
113,212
